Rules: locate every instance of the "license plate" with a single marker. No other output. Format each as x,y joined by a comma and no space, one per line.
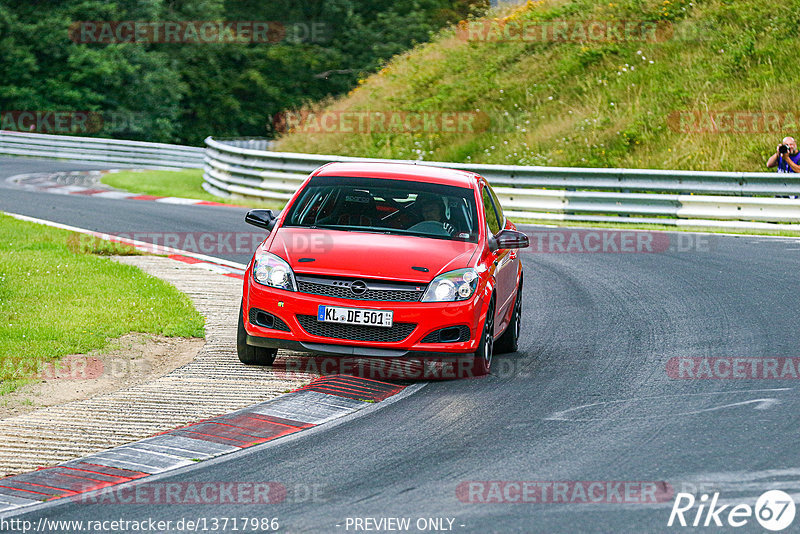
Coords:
335,314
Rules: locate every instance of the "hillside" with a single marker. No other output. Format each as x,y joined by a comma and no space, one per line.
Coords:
701,85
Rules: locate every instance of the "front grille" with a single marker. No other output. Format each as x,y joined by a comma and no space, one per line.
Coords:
451,334
266,320
351,332
375,290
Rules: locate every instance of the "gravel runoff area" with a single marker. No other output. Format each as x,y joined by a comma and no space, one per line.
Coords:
214,383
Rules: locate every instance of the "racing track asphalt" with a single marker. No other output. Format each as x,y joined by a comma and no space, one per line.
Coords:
116,216
598,330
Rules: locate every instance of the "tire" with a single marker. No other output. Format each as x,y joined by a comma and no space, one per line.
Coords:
509,341
249,354
482,358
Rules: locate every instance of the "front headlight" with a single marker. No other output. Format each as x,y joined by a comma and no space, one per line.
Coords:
452,286
271,270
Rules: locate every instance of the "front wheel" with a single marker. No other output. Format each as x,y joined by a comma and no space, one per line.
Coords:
249,354
482,358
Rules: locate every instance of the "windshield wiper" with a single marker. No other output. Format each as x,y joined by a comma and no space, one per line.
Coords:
344,228
341,227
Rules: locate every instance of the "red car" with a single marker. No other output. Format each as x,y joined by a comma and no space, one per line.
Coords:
384,260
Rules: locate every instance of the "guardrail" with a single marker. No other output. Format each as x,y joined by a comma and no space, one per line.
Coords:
675,198
103,151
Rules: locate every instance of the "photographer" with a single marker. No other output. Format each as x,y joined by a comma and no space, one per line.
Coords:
786,157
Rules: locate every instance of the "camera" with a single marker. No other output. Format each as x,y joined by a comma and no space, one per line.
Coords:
783,149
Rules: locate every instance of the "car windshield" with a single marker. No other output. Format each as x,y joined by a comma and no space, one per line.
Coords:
386,206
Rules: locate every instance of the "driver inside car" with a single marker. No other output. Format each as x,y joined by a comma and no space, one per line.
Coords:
432,209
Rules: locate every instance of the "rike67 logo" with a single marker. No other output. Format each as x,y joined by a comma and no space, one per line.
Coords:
774,510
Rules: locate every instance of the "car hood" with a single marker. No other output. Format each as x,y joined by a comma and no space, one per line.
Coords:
369,255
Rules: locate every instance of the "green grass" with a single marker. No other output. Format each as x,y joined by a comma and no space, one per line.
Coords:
591,103
57,298
185,183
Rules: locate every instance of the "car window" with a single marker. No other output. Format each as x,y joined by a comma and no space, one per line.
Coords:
492,221
501,218
387,206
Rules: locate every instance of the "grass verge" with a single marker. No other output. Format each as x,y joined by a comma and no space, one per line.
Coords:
58,296
187,183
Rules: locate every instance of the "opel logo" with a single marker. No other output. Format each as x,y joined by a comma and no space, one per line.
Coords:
358,287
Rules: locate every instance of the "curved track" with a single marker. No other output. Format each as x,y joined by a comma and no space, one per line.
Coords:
114,215
586,398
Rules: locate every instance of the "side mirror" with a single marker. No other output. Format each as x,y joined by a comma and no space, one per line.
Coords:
262,218
508,239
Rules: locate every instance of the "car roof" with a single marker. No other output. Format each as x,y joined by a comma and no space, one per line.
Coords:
400,171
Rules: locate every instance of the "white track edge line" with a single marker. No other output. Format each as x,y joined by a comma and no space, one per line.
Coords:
156,249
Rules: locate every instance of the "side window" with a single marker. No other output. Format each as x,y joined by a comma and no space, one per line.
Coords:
491,215
500,217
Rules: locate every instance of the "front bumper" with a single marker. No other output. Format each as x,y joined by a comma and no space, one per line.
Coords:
422,320
327,349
